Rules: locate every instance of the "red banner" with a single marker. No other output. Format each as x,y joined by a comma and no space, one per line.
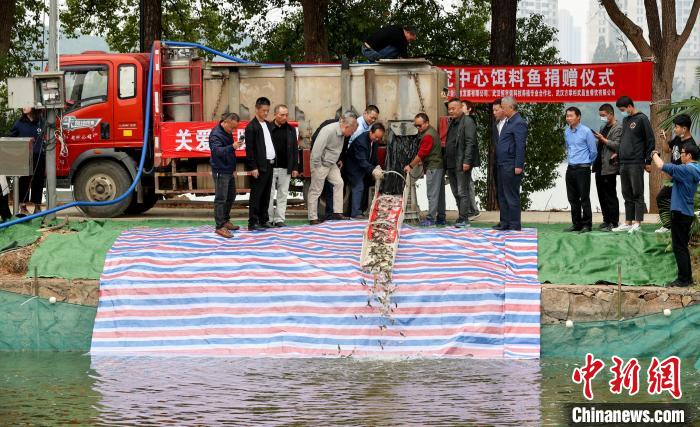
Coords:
552,83
191,139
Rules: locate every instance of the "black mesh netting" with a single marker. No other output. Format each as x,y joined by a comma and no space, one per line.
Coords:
399,152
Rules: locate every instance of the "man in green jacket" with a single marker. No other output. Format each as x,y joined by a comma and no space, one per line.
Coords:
430,156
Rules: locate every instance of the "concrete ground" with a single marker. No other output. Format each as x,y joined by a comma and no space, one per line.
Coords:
196,210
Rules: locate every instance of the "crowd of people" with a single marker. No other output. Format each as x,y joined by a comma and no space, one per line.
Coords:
344,157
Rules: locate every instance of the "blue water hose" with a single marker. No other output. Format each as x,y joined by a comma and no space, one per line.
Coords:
207,49
137,178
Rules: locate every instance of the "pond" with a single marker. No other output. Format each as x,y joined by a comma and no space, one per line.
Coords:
70,388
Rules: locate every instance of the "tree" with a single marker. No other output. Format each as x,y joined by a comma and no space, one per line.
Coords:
150,25
502,52
211,22
7,23
662,48
21,43
315,37
444,36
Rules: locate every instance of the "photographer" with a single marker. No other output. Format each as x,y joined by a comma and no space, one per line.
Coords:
685,182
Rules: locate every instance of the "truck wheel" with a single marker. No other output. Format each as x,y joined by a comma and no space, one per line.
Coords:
150,198
101,181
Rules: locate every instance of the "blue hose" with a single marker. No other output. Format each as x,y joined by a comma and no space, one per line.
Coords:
144,150
208,49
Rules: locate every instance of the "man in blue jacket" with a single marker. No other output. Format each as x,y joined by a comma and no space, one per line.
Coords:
685,183
223,165
358,165
510,163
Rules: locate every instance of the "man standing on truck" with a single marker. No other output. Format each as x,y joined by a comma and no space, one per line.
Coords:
325,156
284,138
260,161
389,42
223,165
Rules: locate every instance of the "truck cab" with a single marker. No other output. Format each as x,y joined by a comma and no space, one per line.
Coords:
101,129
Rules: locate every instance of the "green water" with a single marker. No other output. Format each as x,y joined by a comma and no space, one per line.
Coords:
43,388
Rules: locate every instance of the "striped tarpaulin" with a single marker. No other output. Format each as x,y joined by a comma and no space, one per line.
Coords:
298,291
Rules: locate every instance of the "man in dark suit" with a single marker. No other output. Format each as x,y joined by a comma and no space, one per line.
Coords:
359,164
260,161
510,161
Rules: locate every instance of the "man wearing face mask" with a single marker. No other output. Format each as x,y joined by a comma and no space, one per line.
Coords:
607,167
636,144
682,136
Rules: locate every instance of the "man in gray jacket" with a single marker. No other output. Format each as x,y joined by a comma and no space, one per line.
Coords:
607,166
325,164
461,156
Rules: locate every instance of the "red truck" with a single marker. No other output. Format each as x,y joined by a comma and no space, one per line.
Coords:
101,130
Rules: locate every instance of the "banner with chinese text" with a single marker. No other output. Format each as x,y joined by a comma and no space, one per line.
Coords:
191,139
552,83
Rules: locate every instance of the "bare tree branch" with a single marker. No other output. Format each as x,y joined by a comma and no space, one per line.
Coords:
633,31
654,23
668,18
690,23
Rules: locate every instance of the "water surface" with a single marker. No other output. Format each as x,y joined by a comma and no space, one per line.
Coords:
69,388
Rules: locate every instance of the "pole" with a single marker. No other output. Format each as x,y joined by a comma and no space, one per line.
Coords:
51,113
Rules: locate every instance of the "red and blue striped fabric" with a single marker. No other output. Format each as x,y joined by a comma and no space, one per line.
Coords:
298,292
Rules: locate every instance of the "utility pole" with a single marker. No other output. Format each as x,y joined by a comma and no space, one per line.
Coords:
51,113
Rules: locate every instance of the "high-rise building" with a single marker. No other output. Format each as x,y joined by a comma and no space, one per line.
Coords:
547,8
601,27
569,38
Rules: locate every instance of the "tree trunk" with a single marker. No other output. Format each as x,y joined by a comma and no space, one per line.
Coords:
662,86
151,23
7,22
503,25
315,36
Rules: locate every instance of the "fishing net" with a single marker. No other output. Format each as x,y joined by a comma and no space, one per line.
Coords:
402,148
654,335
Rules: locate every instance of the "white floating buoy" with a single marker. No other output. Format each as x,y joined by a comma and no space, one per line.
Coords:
52,300
667,312
569,323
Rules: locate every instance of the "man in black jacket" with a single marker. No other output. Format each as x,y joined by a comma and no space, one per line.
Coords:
461,156
223,165
636,144
284,138
388,43
260,161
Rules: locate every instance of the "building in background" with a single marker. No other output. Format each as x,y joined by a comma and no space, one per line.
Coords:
604,36
547,8
570,48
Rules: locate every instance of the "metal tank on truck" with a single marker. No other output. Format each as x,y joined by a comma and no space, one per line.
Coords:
102,127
